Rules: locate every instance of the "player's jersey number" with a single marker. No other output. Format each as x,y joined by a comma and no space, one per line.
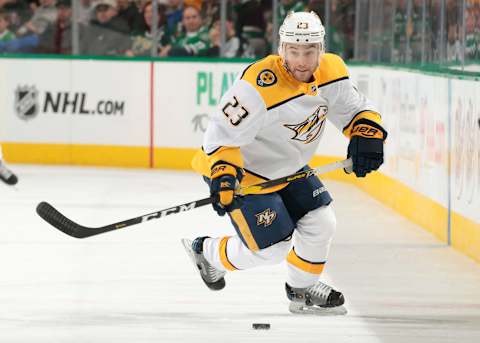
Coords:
234,111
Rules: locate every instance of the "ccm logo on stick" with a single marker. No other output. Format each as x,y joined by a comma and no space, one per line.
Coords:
167,211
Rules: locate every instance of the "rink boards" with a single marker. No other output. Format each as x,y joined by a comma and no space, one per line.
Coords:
153,114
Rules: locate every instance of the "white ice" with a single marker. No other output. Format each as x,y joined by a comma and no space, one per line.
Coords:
138,285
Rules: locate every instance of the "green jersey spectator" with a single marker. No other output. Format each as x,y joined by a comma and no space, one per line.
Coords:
472,36
5,34
193,40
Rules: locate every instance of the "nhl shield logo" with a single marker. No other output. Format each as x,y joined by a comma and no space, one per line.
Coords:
26,102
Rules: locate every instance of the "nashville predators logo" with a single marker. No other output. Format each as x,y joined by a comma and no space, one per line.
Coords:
309,130
266,78
266,217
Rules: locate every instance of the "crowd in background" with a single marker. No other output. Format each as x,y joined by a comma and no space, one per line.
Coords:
192,27
411,27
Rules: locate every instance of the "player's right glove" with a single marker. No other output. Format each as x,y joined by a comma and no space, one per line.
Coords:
366,147
224,178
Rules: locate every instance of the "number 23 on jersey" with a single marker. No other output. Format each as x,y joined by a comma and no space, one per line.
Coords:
235,111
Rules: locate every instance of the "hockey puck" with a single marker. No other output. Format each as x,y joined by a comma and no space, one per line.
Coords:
261,326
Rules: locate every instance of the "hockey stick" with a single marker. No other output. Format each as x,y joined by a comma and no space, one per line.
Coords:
69,227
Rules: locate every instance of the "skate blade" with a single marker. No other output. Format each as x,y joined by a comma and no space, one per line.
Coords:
303,309
187,244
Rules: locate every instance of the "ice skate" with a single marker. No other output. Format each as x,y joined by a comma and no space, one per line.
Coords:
319,299
213,278
7,176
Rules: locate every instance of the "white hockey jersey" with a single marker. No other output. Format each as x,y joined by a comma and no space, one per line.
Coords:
270,124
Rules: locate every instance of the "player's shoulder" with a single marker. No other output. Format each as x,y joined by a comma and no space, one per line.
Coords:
262,73
268,79
332,68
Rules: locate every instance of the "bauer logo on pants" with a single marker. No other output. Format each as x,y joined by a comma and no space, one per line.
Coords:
266,217
26,102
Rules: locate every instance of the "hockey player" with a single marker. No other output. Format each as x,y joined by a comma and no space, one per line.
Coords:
269,125
6,175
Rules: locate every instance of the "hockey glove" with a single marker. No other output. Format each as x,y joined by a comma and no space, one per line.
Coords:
366,147
223,181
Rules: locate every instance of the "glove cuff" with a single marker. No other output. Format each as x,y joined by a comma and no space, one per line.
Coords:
224,168
368,129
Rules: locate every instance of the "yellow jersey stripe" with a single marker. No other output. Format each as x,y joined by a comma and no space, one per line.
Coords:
245,231
307,266
223,254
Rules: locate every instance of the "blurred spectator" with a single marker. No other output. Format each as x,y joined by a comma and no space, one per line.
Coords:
5,34
143,39
129,12
84,11
107,34
198,4
174,14
414,31
45,14
211,11
454,46
234,46
400,32
453,21
57,38
18,12
193,40
251,25
341,36
472,32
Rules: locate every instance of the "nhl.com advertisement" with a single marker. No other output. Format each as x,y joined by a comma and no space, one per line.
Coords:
31,101
59,102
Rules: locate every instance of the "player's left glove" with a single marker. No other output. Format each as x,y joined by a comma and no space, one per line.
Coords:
366,147
224,178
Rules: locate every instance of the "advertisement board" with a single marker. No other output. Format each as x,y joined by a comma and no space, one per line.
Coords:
74,102
185,95
414,110
465,131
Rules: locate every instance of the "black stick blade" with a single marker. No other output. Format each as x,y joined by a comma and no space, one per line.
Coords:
59,221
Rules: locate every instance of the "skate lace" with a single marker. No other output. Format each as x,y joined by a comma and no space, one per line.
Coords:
320,290
213,273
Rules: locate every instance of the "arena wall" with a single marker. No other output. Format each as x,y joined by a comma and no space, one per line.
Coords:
153,115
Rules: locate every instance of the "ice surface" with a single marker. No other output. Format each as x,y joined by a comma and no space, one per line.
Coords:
138,285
